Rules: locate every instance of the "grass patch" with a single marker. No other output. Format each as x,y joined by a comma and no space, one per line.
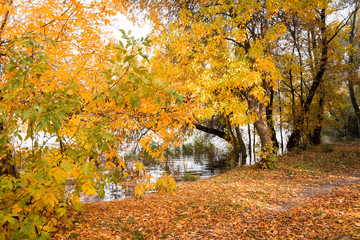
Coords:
190,177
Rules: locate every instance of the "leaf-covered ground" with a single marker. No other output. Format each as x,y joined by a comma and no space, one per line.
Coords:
314,194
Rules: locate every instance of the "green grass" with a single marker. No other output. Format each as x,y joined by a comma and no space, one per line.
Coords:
190,177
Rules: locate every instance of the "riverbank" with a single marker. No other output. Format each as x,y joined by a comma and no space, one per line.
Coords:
313,194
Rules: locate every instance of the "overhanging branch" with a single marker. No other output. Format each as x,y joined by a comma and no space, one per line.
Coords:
213,131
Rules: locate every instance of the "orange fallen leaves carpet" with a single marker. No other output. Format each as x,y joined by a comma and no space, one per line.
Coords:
314,194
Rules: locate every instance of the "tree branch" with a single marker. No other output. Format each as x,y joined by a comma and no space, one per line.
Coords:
213,131
343,24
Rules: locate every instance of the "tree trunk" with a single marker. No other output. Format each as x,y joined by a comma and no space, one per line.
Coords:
354,104
269,119
235,139
249,135
294,139
242,146
263,131
253,145
281,124
316,137
7,166
352,74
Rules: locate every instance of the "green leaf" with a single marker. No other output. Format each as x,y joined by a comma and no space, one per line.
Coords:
18,136
38,127
32,40
179,101
9,219
117,46
10,67
52,42
45,235
134,102
27,114
138,80
129,58
145,56
168,102
44,122
118,56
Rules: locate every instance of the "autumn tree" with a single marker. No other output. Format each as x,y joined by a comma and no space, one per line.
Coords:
215,66
62,79
313,38
354,65
219,52
206,39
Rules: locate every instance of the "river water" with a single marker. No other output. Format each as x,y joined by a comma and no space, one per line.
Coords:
202,165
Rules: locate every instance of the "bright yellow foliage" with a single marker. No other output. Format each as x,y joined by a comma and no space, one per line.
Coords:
65,76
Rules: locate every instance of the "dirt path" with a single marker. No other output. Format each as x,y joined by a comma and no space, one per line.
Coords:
321,189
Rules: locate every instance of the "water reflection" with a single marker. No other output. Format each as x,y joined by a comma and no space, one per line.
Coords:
202,165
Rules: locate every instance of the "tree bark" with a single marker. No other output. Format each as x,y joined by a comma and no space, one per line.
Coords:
316,137
7,166
281,124
249,135
263,131
269,119
352,73
354,104
235,139
242,146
